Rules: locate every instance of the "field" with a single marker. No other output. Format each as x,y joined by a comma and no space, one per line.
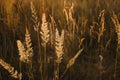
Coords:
59,40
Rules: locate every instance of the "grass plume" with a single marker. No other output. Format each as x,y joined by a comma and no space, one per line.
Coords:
29,49
59,43
34,17
44,30
14,73
22,52
117,29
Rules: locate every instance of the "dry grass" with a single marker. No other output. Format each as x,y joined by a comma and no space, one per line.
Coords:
63,40
14,73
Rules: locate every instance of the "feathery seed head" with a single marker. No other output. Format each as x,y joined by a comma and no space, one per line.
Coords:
59,41
14,73
22,52
29,49
117,26
44,30
102,24
72,60
34,17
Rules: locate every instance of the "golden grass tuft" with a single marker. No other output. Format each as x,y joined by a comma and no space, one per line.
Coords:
59,41
34,17
102,25
22,52
25,52
14,73
73,59
44,30
29,49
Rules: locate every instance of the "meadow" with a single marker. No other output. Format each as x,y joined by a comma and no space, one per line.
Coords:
59,40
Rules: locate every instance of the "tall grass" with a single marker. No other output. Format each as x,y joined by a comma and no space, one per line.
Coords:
14,73
63,40
117,29
59,45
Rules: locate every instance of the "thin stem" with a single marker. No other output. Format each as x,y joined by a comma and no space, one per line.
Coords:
30,71
45,63
58,70
43,5
56,73
63,73
20,66
39,59
116,64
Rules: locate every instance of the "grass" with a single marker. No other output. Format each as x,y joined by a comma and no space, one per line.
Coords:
63,40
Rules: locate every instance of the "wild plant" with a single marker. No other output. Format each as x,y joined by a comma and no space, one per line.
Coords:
14,73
